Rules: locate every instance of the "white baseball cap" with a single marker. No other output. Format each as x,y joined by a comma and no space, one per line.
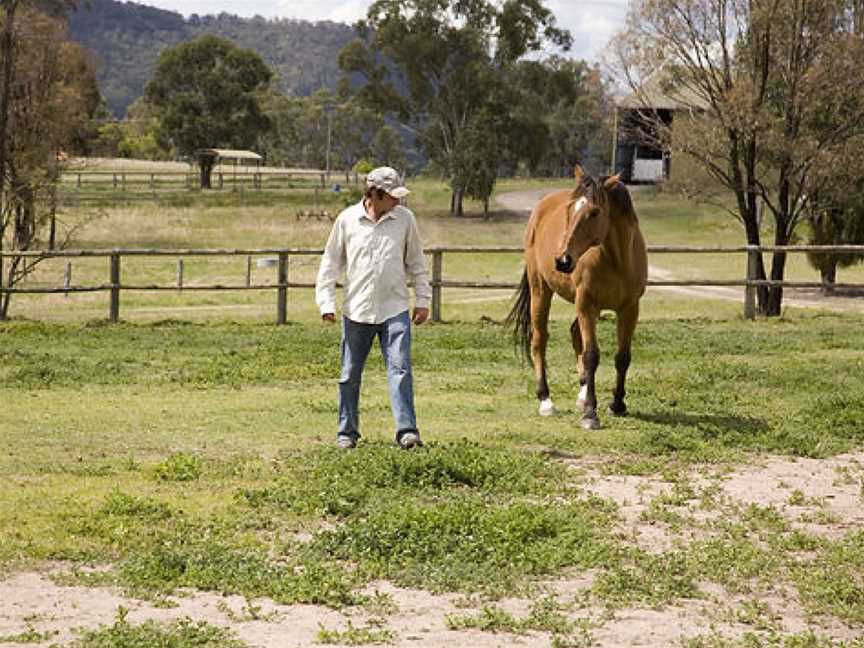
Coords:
387,179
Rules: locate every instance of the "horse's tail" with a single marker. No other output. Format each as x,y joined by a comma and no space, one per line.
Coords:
520,317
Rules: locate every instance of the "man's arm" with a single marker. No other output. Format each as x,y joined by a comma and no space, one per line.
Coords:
415,267
332,263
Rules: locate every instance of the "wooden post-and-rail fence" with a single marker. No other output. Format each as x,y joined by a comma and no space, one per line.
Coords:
280,257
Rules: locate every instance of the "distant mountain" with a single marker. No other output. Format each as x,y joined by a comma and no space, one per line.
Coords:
127,38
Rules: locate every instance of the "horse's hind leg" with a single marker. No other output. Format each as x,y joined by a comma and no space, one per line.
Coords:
626,326
541,299
576,340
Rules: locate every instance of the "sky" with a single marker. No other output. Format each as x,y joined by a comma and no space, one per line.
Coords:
591,22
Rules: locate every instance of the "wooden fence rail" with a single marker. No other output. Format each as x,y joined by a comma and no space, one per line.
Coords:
280,259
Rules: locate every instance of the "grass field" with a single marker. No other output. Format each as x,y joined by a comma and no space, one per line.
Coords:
216,222
189,453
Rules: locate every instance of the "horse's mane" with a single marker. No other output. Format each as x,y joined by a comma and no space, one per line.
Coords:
621,200
617,194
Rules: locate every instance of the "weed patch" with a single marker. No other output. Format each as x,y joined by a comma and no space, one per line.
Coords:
332,482
184,633
471,544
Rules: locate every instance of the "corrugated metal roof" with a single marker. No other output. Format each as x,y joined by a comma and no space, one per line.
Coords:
232,154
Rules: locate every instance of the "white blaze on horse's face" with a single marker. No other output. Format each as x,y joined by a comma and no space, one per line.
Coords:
586,227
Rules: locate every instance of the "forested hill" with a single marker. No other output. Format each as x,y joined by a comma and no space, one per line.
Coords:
128,37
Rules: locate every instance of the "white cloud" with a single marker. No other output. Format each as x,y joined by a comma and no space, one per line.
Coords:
592,22
347,11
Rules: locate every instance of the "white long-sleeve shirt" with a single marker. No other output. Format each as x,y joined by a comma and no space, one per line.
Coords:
378,259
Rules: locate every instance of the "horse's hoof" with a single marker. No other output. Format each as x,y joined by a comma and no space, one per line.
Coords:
547,408
617,410
590,423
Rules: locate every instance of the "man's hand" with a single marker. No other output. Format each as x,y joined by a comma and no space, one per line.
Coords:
420,315
329,317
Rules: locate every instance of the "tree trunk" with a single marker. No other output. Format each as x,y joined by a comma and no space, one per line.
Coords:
206,170
751,227
829,276
778,264
456,203
5,298
775,293
6,51
52,232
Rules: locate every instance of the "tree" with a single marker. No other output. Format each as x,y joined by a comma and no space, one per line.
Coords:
323,131
388,149
48,100
437,65
352,127
837,215
769,90
562,116
206,94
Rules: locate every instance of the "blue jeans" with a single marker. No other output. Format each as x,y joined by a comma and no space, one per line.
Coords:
394,336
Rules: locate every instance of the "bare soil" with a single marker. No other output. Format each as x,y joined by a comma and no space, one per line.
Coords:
822,496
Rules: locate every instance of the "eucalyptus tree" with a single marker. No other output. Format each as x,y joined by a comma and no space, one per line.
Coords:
769,93
55,95
837,217
206,93
564,116
442,68
387,148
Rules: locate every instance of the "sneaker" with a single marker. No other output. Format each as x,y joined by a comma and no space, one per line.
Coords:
408,440
346,441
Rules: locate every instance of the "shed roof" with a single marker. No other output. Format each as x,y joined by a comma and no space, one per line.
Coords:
231,154
658,92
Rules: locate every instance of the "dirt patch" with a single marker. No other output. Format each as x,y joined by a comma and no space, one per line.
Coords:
821,496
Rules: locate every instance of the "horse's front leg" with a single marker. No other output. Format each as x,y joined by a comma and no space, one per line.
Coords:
576,340
590,361
626,326
541,299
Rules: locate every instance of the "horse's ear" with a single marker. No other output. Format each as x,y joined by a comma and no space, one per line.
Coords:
611,181
578,173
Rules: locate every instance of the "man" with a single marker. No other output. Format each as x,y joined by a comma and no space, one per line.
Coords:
377,244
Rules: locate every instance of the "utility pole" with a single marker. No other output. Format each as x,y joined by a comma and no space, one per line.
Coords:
327,110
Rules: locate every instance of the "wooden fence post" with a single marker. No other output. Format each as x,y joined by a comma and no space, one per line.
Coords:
248,270
437,264
67,277
180,274
114,314
750,290
282,291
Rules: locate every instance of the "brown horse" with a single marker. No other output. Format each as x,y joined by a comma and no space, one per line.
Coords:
586,246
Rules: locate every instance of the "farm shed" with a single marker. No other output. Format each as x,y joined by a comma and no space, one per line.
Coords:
209,158
643,121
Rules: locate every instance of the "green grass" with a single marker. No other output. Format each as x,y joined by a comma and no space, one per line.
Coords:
192,446
187,455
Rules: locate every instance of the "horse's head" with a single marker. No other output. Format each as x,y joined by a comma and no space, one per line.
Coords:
587,219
